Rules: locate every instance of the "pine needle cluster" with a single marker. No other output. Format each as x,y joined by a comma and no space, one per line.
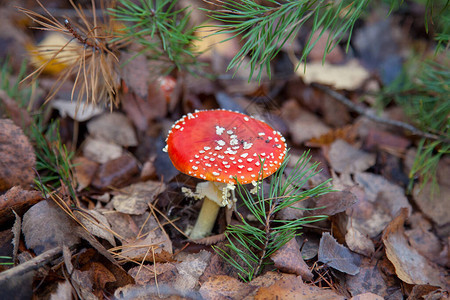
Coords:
53,159
163,32
265,27
252,243
423,94
89,55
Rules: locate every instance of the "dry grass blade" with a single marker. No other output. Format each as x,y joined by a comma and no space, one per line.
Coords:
89,57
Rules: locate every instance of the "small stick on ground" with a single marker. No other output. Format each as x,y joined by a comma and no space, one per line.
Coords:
372,116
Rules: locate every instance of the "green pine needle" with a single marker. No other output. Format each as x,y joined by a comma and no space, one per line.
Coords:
422,91
264,29
53,160
162,30
252,245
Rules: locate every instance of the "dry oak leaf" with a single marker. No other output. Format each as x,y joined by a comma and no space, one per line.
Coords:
17,158
410,266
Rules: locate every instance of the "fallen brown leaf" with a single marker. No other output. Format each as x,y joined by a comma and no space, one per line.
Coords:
165,273
143,110
336,55
82,283
96,224
100,275
436,205
190,269
379,139
46,226
154,245
346,133
302,124
134,199
380,191
368,280
367,296
19,115
410,266
101,151
289,259
429,292
344,158
17,199
135,73
224,287
84,171
116,172
17,158
123,224
333,203
338,256
113,127
292,287
358,242
427,243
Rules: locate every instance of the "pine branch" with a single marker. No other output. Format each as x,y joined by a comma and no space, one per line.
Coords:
162,30
88,55
252,245
265,28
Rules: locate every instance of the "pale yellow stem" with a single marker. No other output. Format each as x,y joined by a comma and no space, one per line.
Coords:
206,219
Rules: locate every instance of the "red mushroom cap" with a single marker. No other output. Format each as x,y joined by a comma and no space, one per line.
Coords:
217,145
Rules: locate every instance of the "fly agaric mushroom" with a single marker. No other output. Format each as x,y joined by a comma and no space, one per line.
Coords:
220,146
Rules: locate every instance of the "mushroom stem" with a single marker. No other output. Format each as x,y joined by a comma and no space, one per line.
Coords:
206,219
215,196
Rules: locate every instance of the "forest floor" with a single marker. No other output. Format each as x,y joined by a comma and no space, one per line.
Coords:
115,225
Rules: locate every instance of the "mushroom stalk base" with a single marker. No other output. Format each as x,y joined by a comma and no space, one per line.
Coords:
206,219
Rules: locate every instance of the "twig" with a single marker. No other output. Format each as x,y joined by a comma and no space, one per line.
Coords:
370,115
31,265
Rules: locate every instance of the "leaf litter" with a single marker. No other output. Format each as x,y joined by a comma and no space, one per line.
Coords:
377,242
